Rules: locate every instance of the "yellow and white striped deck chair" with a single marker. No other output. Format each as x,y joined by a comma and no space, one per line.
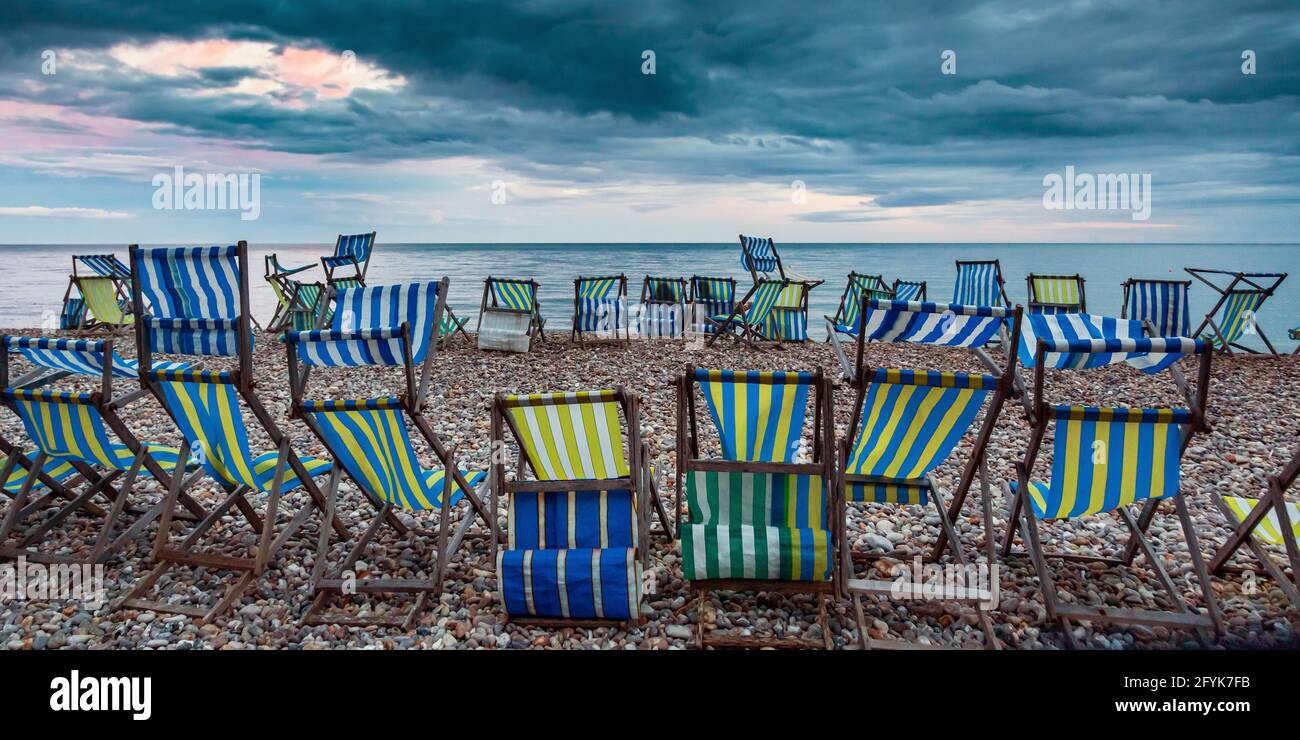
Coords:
103,302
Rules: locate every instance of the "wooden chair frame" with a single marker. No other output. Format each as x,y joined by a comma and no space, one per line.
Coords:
1244,533
361,267
1265,283
750,333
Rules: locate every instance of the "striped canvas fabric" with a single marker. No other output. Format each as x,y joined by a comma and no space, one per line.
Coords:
759,415
714,297
1085,341
977,284
351,249
370,440
74,311
850,312
1055,294
105,265
303,304
786,325
57,469
346,283
761,303
948,325
1269,529
67,426
660,320
100,294
907,290
665,289
1237,316
576,583
571,436
366,327
1105,458
600,307
551,520
193,296
205,406
78,356
911,422
757,254
516,295
766,526
1162,302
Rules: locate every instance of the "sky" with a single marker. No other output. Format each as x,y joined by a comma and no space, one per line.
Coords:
533,121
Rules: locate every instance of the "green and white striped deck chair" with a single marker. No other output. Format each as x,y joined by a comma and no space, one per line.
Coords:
600,307
1240,301
761,513
1056,294
1264,523
756,315
298,305
1106,460
103,302
510,314
579,506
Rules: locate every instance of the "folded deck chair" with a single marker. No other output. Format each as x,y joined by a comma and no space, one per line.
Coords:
600,306
195,302
711,296
979,283
370,443
758,318
1271,521
662,310
509,315
763,512
908,290
1161,306
578,507
1240,300
758,255
374,308
351,254
905,424
1106,460
1055,294
845,322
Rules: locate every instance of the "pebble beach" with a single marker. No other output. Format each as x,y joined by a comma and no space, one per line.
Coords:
1254,410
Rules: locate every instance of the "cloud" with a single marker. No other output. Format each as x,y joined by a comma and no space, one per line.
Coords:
62,212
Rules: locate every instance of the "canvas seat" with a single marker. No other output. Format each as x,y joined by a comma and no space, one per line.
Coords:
351,256
1161,306
1240,299
908,290
1052,294
711,298
600,307
760,319
980,283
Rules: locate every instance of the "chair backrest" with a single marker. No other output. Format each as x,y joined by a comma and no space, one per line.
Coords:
515,295
768,500
948,325
759,415
1094,341
663,290
78,356
104,265
851,303
909,290
101,296
1055,293
1164,303
570,436
714,291
205,406
193,297
1105,458
354,247
599,302
758,254
65,425
560,520
763,299
369,308
979,283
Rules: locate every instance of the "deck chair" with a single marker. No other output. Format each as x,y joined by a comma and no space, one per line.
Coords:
1106,460
273,266
1240,300
374,308
759,257
579,506
662,310
762,515
370,442
196,303
908,290
450,326
1055,294
53,359
510,315
105,309
757,318
298,302
1295,335
352,254
599,306
1272,521
1161,306
905,424
73,314
89,266
845,323
711,296
979,283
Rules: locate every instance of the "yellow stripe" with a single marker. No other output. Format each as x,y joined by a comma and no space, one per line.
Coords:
1070,485
923,412
945,427
1100,471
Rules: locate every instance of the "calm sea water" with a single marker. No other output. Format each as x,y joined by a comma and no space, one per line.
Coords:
36,276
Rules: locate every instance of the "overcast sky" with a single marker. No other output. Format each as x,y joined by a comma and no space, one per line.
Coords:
409,117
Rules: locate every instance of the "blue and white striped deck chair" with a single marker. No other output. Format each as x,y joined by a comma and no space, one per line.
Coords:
73,314
940,324
57,358
1240,300
762,512
1106,459
909,290
1161,304
711,296
753,316
662,310
600,307
70,428
906,424
103,265
1258,523
350,250
979,283
575,552
507,297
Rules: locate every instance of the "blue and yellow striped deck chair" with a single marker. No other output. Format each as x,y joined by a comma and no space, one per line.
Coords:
847,319
760,258
1105,460
103,265
56,476
908,290
1052,294
350,251
755,314
1161,306
578,526
711,296
1240,300
104,303
600,307
762,509
662,310
1271,521
979,283
510,298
